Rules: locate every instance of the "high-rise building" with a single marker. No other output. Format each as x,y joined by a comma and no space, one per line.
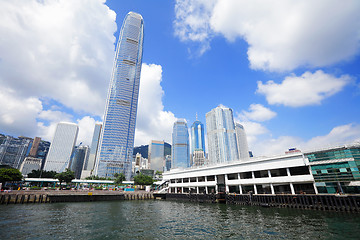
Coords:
90,161
13,150
167,166
81,154
156,155
34,147
117,135
242,143
180,145
62,147
29,164
197,142
222,145
198,158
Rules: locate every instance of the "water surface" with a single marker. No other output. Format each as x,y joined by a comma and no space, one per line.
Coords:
149,219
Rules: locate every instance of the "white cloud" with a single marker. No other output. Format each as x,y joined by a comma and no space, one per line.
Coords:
253,131
282,35
307,89
153,123
257,113
18,115
338,136
62,50
86,130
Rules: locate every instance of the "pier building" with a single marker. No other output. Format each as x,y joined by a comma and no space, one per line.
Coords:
294,173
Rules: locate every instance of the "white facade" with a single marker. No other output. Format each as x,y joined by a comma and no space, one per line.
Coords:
221,135
272,175
242,142
61,147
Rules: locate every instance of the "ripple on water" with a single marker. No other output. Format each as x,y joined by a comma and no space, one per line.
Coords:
170,220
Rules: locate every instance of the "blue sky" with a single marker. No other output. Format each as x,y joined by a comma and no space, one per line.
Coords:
288,69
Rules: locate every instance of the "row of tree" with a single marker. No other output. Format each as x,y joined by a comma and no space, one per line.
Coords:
14,175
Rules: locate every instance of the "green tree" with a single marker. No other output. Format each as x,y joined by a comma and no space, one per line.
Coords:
119,178
10,175
66,176
42,174
142,179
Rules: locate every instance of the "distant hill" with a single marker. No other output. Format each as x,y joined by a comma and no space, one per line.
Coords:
143,150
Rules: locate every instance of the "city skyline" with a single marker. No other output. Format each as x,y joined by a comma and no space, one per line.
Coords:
117,133
288,70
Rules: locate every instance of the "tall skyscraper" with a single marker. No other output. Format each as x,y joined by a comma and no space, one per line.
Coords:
80,155
197,143
61,147
242,143
89,165
34,147
180,145
156,155
117,135
197,136
222,145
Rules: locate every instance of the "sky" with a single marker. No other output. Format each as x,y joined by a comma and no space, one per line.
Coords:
289,70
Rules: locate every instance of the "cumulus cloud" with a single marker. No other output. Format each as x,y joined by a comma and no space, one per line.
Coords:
153,122
253,131
257,113
282,35
307,89
338,136
18,115
54,49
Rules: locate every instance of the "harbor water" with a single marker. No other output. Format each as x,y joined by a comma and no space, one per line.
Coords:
150,219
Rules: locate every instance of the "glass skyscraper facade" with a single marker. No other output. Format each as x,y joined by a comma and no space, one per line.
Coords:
222,144
197,136
156,155
117,135
89,164
180,157
336,169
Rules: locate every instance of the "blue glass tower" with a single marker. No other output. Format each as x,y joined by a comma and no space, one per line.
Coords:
180,145
197,136
117,135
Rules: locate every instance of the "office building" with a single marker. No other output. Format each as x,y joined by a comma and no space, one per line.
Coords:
197,136
156,155
198,158
62,147
242,143
222,145
117,135
13,150
180,145
90,161
167,166
81,154
29,164
34,147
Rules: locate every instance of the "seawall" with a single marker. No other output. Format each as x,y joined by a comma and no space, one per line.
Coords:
326,202
22,197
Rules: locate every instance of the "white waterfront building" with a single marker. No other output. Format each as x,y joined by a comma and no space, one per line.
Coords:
61,147
272,175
